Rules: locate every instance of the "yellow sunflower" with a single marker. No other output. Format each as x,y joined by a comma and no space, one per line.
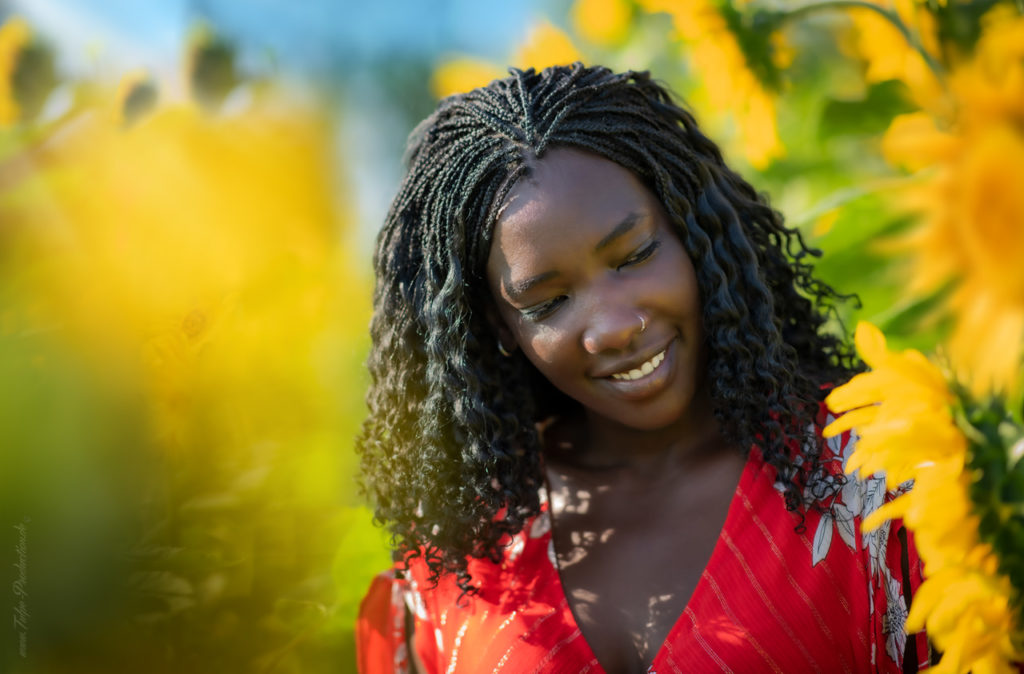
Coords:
732,89
972,205
458,74
902,411
15,35
136,95
200,249
545,45
603,22
887,53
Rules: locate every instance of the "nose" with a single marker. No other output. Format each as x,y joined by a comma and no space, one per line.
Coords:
612,328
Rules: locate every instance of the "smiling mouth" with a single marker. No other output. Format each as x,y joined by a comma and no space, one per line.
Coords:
642,371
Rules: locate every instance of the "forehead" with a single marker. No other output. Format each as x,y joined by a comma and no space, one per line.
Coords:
569,194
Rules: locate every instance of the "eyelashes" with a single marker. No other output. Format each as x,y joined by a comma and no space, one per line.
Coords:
543,310
640,255
537,312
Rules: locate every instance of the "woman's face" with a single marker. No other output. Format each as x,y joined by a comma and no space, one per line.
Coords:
593,285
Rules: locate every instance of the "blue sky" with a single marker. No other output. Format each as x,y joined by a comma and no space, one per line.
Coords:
307,34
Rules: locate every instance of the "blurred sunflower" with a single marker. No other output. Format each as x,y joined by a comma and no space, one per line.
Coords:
727,73
458,74
210,67
202,259
903,412
888,53
136,96
545,45
972,204
27,73
14,36
603,22
193,246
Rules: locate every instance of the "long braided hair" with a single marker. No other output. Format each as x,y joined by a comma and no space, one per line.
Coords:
450,450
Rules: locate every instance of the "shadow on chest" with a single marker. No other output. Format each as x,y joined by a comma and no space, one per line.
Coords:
630,553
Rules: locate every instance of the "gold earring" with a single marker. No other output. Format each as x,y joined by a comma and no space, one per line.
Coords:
503,351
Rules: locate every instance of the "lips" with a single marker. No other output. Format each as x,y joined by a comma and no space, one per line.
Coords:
632,365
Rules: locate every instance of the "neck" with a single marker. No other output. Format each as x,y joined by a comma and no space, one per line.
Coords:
595,443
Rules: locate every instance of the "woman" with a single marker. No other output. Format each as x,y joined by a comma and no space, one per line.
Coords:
598,368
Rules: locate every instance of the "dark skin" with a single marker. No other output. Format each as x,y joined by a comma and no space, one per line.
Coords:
591,283
633,538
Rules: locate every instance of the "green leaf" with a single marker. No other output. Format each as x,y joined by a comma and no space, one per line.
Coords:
870,116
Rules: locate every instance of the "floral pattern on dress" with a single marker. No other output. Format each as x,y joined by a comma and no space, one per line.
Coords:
853,498
894,621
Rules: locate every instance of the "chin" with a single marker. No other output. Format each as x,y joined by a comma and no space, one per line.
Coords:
649,419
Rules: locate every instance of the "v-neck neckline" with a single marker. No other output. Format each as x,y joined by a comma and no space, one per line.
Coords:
750,467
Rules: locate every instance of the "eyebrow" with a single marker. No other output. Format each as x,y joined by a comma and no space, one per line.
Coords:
628,223
520,288
516,290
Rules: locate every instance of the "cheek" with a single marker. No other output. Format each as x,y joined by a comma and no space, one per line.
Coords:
546,348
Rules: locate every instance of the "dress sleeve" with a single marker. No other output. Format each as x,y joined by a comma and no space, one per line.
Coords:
380,628
394,631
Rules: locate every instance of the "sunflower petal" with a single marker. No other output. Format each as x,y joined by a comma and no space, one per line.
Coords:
870,344
857,417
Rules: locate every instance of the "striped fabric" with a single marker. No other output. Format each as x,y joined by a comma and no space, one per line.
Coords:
827,599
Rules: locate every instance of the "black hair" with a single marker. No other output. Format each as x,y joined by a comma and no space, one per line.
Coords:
450,450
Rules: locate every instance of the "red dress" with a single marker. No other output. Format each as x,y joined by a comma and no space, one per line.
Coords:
830,599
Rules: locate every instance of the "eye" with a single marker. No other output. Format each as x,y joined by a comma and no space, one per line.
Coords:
541,311
640,255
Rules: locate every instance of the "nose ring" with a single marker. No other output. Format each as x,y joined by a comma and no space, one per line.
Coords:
643,323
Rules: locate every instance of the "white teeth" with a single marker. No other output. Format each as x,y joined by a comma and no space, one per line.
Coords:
641,371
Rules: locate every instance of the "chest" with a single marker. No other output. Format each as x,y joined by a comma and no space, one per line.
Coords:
629,561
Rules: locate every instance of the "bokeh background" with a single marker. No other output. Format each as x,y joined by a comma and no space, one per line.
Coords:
189,192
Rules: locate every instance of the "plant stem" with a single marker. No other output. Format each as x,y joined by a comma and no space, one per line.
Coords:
891,16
